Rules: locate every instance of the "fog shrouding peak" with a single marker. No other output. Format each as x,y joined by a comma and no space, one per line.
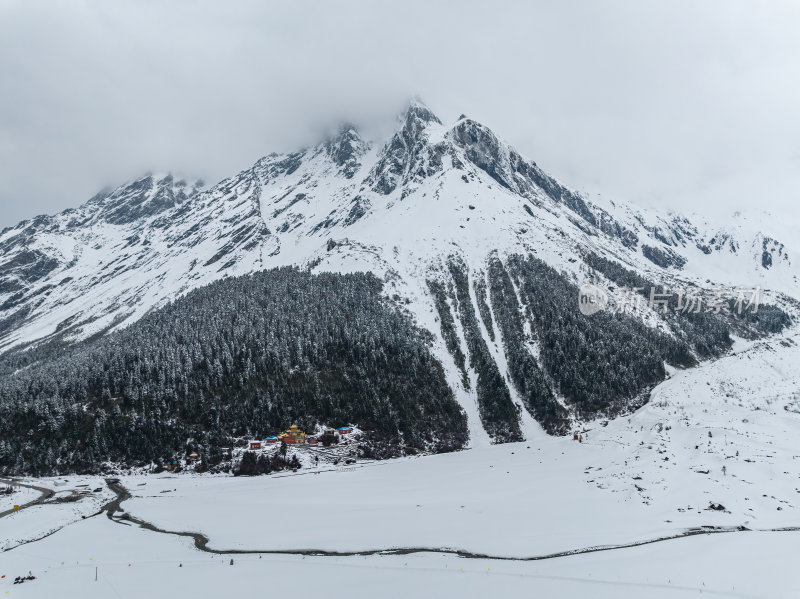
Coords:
688,106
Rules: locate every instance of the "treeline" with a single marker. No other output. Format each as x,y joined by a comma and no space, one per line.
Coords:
528,378
498,413
253,464
706,332
600,364
560,361
244,356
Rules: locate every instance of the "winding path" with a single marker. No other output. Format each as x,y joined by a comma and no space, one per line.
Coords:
201,541
45,494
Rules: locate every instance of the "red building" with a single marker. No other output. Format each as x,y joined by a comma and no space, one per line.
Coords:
255,444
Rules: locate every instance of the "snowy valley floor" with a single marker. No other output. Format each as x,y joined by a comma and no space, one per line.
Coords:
649,476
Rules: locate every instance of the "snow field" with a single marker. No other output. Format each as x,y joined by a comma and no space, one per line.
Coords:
641,473
20,496
134,563
638,478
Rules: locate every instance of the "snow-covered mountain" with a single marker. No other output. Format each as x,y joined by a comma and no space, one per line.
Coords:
406,209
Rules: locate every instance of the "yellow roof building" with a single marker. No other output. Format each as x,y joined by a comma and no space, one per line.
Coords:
293,432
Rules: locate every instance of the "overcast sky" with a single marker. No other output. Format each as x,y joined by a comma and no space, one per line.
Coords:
690,105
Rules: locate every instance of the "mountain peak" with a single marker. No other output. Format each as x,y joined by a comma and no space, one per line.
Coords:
400,159
345,149
145,196
417,110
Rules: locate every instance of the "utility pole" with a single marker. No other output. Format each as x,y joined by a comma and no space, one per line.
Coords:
95,573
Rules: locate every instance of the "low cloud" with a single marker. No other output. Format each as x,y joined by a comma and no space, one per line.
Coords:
688,105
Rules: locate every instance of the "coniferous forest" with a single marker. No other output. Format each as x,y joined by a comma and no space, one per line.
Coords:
245,356
598,365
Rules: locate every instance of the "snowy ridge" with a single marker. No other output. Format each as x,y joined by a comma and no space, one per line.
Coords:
399,208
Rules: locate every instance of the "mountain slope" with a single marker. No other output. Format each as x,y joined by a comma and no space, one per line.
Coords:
238,358
479,244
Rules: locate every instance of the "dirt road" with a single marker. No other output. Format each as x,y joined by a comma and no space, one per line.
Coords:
45,494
